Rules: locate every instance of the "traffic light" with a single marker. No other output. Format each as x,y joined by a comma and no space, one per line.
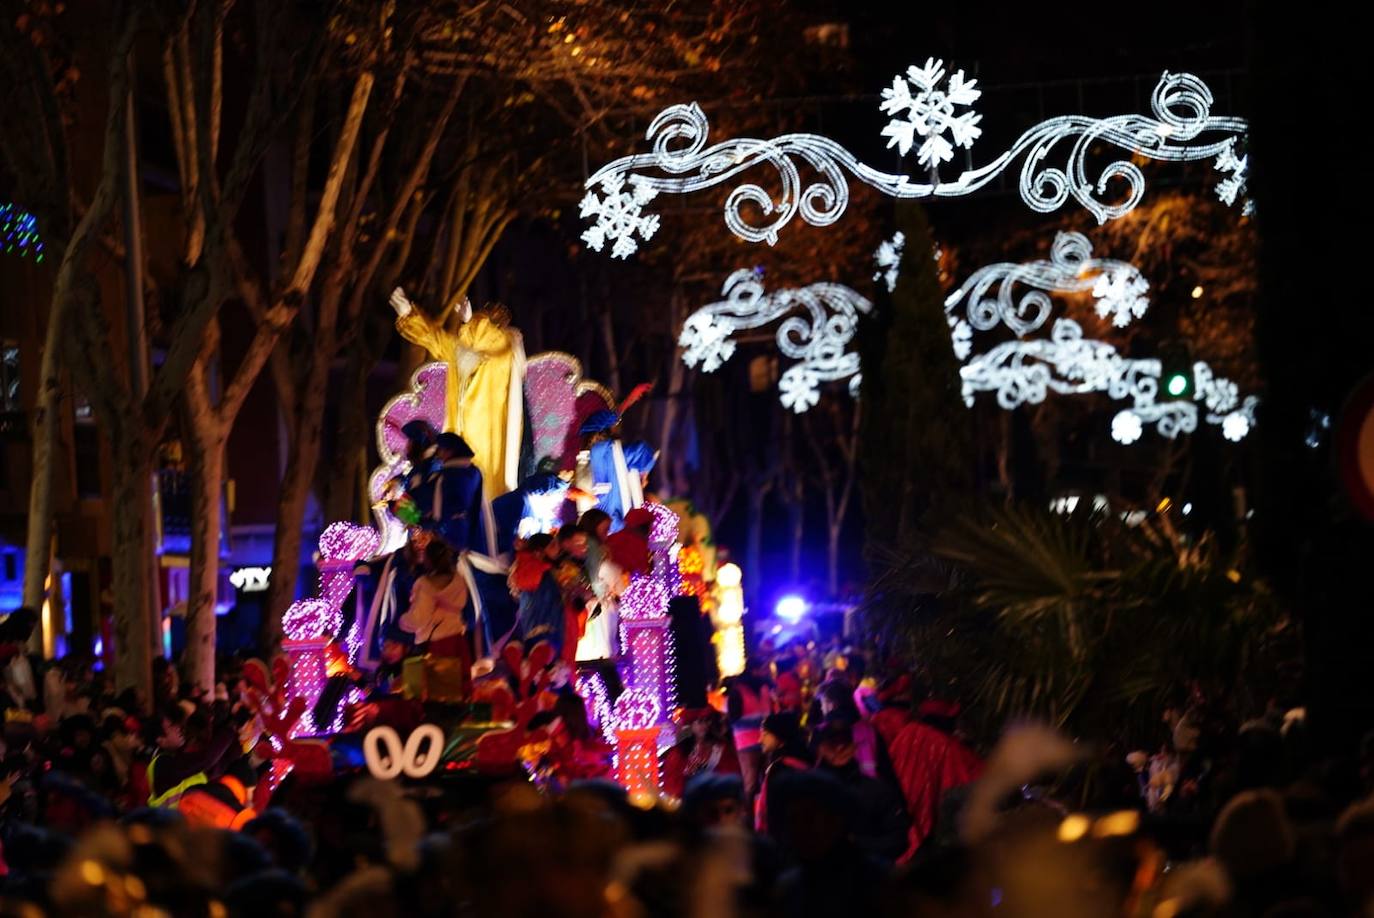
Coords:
1175,373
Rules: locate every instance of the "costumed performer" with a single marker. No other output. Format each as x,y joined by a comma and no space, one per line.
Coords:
484,400
458,505
617,470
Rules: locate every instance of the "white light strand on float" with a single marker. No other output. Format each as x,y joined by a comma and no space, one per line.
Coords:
819,338
1117,286
1025,372
681,162
888,258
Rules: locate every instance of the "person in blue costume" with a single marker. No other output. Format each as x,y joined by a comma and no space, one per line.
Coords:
542,610
618,469
388,581
456,510
419,483
536,506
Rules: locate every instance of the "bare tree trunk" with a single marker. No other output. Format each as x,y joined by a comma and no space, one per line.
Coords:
133,594
45,420
207,472
347,469
295,495
606,324
672,485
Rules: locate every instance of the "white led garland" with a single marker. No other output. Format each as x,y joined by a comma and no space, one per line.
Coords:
1026,371
1181,106
819,338
1118,287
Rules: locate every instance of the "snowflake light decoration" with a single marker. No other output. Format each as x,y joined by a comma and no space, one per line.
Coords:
1121,296
1118,287
619,215
818,337
1179,128
929,112
1237,171
888,258
1127,427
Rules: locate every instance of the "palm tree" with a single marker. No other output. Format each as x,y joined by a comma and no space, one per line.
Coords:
1077,619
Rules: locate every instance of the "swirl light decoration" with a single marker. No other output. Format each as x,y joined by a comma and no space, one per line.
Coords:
1024,372
1180,128
819,338
1117,286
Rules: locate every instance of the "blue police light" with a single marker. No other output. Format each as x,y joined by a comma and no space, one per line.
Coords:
792,609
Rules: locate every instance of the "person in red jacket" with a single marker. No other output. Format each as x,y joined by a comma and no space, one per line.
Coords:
628,548
706,747
929,763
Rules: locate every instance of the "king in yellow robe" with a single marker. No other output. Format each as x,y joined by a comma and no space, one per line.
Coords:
484,402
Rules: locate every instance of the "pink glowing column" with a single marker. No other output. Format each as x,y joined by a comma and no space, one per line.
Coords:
310,624
647,639
637,715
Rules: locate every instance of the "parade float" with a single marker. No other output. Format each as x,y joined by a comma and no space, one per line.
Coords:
527,419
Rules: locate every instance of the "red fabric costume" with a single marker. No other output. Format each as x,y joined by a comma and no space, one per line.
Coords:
928,763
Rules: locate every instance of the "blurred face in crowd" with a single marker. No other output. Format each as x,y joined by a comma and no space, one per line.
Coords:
770,743
172,735
576,545
393,651
728,811
837,753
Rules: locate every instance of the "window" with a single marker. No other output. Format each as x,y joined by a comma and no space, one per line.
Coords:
9,377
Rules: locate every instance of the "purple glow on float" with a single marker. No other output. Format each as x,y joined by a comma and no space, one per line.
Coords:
645,598
311,619
348,542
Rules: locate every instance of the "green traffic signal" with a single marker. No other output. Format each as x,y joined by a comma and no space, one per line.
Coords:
1177,385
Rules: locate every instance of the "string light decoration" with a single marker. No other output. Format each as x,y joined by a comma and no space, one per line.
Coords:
636,718
888,258
728,617
1024,372
19,233
819,338
1117,286
691,568
310,624
1180,128
348,542
591,687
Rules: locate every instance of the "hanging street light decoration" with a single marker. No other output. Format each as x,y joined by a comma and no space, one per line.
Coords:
818,338
1025,371
1117,286
926,108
